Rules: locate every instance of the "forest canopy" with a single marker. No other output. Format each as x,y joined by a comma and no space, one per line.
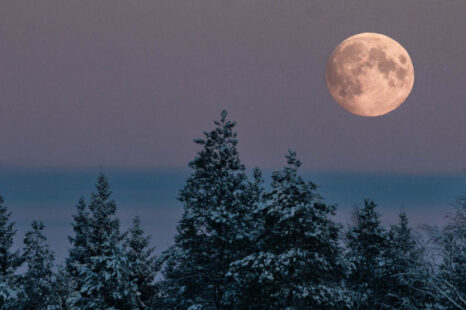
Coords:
241,243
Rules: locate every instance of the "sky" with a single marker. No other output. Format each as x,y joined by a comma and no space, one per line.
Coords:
127,85
131,83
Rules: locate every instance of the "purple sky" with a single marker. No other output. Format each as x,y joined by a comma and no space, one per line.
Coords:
131,83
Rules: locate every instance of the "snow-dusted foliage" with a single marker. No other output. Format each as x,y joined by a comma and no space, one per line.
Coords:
9,261
404,259
142,265
367,244
99,260
38,283
213,231
79,252
295,263
9,295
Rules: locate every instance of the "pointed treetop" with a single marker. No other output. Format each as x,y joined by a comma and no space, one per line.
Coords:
136,239
257,174
224,115
403,218
37,225
103,187
218,147
34,236
291,158
81,206
4,213
9,260
223,120
369,204
136,221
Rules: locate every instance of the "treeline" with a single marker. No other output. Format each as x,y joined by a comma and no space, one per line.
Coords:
239,245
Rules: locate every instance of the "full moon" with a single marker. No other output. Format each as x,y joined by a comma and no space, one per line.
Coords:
369,74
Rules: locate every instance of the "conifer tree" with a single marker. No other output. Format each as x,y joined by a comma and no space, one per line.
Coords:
142,264
104,277
9,260
367,245
404,259
296,263
79,253
38,283
213,230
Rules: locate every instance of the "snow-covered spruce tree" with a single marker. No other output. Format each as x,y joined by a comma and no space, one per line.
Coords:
79,253
213,231
104,282
38,283
296,264
142,264
405,263
367,244
9,260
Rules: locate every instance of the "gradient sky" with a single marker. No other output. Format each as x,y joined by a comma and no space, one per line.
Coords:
131,83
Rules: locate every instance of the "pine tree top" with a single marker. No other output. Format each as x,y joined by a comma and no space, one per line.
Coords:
219,152
9,260
103,189
36,251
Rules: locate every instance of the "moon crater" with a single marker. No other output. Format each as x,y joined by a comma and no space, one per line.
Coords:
369,74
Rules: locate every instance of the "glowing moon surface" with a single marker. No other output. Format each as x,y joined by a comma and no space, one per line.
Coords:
369,74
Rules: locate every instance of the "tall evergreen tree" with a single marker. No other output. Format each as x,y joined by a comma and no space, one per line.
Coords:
142,264
213,230
9,260
104,282
296,263
79,253
38,282
404,259
367,244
